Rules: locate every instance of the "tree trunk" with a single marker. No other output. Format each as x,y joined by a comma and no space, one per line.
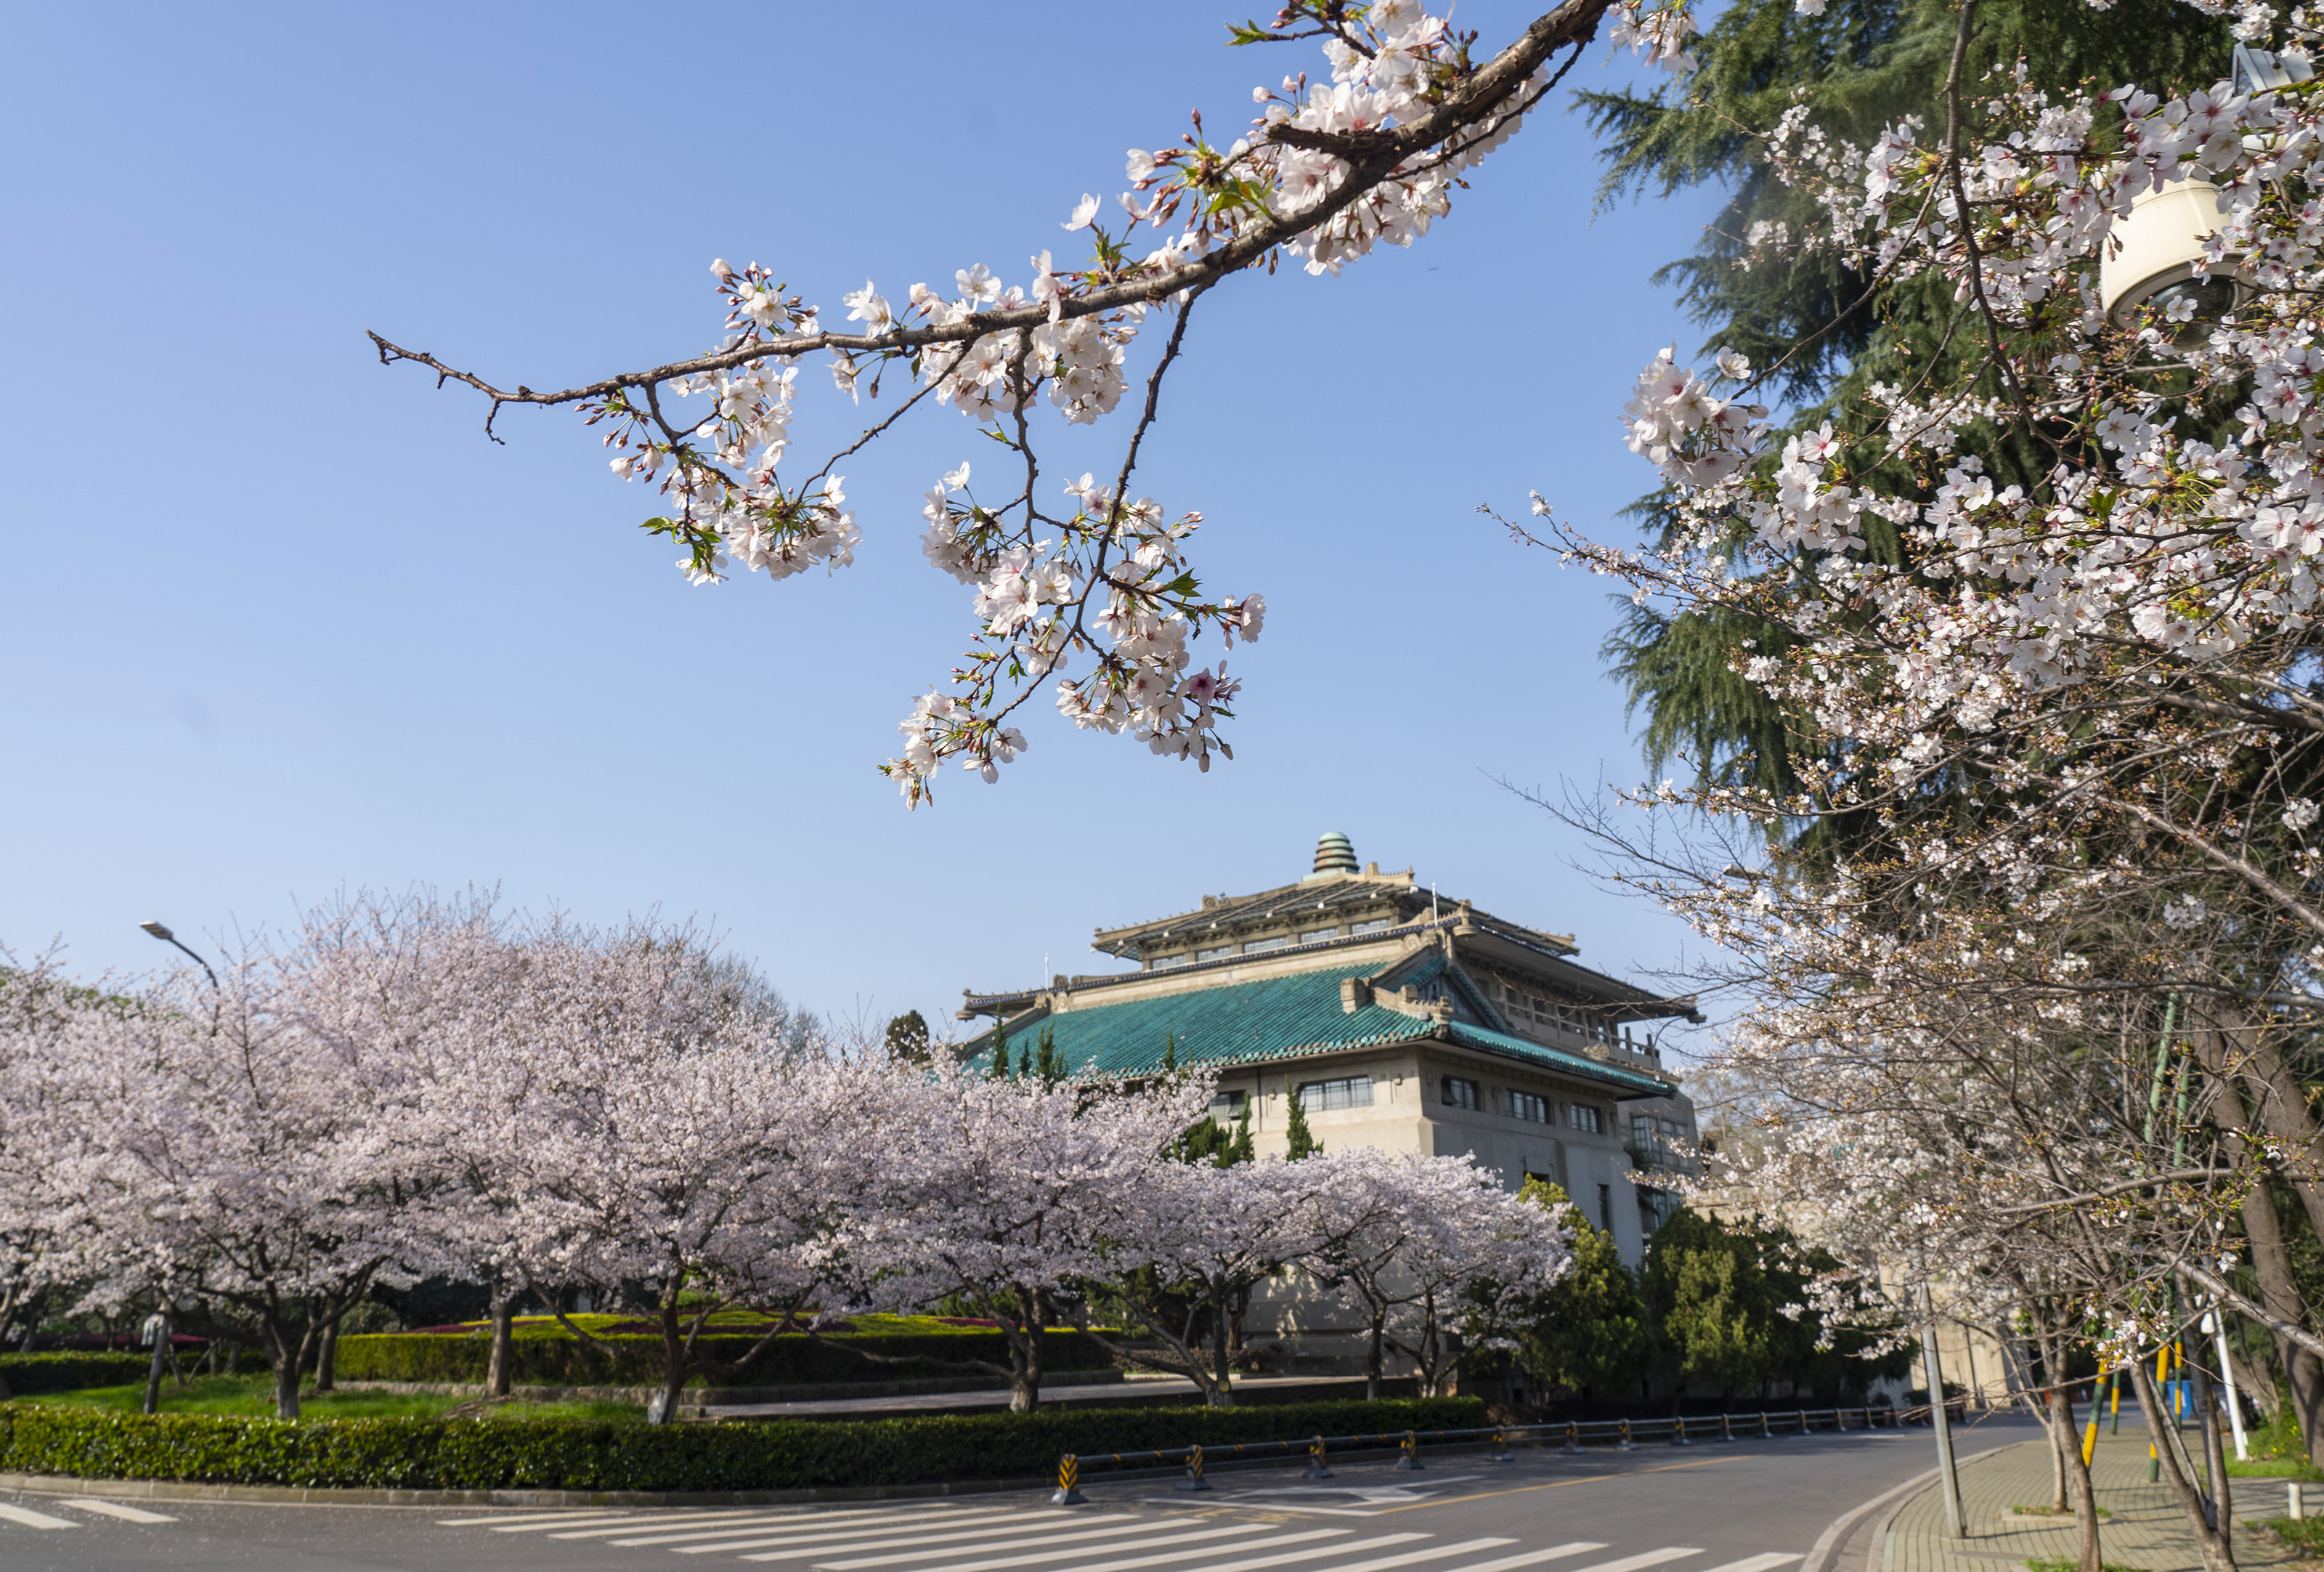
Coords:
662,1407
1372,1364
1221,1392
2077,1477
1022,1322
2280,1294
326,1357
499,1370
288,1359
2218,1555
154,1370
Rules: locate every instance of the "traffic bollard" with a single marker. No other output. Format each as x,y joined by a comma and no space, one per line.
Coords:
1678,1437
1316,1468
1500,1452
1409,1462
1069,1482
1726,1427
1572,1437
2295,1506
1194,1480
1627,1443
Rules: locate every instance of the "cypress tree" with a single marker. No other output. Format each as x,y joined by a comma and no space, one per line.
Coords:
1000,1071
1301,1142
1170,1054
1238,1150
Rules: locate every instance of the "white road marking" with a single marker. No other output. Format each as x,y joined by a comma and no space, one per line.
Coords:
833,1544
837,1522
1411,1557
1535,1557
1267,1544
1290,1556
1766,1563
584,1520
569,1515
1066,1533
728,1520
1647,1559
1176,1539
25,1517
114,1509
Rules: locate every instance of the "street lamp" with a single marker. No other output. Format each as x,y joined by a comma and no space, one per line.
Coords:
161,930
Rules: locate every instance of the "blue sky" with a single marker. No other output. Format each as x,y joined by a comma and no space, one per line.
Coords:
281,622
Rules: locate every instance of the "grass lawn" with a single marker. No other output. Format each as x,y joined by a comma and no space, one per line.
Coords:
2274,1468
2305,1535
253,1396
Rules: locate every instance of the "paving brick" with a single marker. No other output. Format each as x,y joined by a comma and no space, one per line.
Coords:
2148,1530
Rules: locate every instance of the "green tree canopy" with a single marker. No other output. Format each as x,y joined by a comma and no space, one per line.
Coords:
1588,1334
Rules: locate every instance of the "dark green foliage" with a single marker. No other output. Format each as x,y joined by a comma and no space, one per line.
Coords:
1049,1064
908,1037
26,1373
1862,64
1717,1291
1219,1145
548,1356
1170,1054
1000,1050
1303,1142
1588,1334
584,1454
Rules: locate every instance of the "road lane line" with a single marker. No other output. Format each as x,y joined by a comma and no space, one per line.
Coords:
1645,1559
1535,1558
24,1516
833,1524
730,1519
1252,1565
1155,1544
571,1514
1039,1539
1766,1563
1554,1484
833,1544
127,1514
1267,1544
1412,1557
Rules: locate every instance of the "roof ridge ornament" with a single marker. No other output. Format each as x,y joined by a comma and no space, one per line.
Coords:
1334,855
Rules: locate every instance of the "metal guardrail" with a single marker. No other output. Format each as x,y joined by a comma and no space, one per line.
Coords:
1621,1435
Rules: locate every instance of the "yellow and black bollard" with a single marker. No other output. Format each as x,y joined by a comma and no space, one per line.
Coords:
1069,1482
1500,1452
1573,1436
1409,1460
1628,1445
1316,1468
1194,1480
1726,1427
1678,1435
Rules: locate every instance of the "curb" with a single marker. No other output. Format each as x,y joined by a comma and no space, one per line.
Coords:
1836,1533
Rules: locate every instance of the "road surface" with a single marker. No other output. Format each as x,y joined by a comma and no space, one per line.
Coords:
1747,1506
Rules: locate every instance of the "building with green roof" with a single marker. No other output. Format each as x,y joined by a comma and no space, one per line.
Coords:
1399,1019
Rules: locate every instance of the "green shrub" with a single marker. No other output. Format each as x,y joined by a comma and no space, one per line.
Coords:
589,1456
549,1355
27,1373
2305,1535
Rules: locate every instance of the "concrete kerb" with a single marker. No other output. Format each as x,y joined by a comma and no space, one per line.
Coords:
1897,1498
319,1496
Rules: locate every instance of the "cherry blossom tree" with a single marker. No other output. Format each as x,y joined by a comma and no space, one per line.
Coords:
1010,1195
1097,595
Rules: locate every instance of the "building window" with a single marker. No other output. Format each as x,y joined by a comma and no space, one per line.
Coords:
1259,945
1460,1094
1212,955
1226,1108
1584,1117
1323,1096
1176,960
1318,935
1526,1106
1606,1207
1374,926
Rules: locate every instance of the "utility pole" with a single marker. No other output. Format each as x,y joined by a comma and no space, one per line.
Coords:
1954,1521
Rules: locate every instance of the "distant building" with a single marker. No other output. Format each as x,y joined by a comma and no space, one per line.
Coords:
1403,1021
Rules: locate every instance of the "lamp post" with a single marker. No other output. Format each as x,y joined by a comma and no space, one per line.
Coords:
160,1326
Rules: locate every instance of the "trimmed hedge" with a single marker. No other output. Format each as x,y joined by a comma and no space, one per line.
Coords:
27,1373
551,1356
590,1455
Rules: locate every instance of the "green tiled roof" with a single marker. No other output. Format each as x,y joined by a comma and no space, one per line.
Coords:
1244,1023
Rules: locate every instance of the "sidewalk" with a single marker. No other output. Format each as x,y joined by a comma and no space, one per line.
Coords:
2148,1530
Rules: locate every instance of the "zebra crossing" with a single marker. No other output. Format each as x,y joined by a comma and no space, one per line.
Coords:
24,1516
1012,1538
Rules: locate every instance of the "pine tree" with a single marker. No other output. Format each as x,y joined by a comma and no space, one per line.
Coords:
1240,1148
908,1037
1301,1142
1049,1064
1170,1054
1000,1071
1863,64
